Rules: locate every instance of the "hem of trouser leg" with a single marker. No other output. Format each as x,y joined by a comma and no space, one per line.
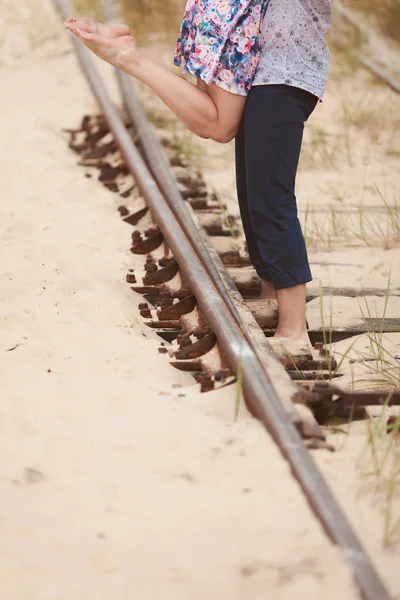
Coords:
287,279
263,274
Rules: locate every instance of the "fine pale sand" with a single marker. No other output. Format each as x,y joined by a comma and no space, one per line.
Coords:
117,478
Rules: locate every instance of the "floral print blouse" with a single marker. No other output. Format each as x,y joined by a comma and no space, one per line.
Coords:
219,42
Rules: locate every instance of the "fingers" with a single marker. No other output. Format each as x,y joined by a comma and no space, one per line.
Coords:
120,30
109,31
91,38
82,24
88,27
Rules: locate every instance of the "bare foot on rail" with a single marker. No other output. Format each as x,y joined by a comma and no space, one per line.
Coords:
291,351
112,43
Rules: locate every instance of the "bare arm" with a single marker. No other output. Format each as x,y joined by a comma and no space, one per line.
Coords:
208,111
203,112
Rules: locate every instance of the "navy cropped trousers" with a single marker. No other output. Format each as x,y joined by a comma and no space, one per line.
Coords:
267,155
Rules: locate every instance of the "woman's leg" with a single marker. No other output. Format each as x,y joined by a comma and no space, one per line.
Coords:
273,127
214,113
267,290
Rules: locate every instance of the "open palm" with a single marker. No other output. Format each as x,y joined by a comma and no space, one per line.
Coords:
112,43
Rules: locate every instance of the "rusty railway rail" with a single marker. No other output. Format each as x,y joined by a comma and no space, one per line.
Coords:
207,301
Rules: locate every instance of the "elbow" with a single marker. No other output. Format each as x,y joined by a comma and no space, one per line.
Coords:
224,136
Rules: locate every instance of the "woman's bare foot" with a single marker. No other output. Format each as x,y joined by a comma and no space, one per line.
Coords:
301,335
291,351
112,43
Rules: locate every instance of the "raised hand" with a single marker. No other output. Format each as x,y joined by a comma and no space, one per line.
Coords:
112,43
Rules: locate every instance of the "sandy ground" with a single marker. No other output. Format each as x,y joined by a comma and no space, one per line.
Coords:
117,478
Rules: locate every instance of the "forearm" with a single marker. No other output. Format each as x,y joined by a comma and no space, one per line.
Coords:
181,96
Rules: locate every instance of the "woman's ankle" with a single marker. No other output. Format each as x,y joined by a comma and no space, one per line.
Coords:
268,291
292,332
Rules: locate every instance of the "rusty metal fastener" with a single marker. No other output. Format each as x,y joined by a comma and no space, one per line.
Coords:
149,244
151,231
166,260
206,384
130,278
201,332
123,211
163,350
161,275
143,306
222,375
150,267
134,218
146,314
166,302
184,340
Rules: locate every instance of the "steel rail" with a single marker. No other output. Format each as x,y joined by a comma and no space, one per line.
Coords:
256,386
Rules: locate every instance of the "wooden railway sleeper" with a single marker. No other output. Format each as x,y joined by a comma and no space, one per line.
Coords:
328,401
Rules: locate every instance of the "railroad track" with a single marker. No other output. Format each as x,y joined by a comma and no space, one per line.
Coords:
200,296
